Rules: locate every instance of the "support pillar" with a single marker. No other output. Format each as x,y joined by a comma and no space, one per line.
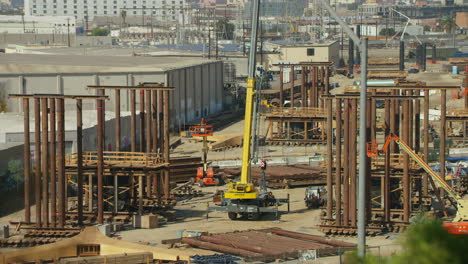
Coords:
443,131
142,121
346,179
329,159
338,162
100,161
291,80
79,152
53,178
133,120
45,162
61,162
167,191
425,183
26,162
117,120
37,161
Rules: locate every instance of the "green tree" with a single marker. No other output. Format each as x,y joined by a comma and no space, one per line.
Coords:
387,32
425,242
427,28
225,29
100,32
447,23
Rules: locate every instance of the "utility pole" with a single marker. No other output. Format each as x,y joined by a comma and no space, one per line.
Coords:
68,31
361,205
216,39
209,42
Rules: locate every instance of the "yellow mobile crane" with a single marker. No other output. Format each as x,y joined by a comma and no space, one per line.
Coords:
459,225
242,197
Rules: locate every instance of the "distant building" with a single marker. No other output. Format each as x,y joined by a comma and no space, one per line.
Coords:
288,52
85,10
461,19
278,8
37,24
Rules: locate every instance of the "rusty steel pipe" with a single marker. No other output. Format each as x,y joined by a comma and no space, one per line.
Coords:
222,248
117,120
353,154
245,246
443,131
37,161
100,162
53,172
327,80
79,152
160,122
148,121
338,161
346,164
26,162
291,77
426,139
133,120
311,238
154,123
142,121
406,177
329,159
45,162
386,179
61,161
281,79
167,189
303,89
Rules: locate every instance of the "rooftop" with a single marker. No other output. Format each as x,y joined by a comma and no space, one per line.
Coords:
60,60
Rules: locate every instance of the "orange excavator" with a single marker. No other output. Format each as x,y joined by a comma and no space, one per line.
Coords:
205,175
459,225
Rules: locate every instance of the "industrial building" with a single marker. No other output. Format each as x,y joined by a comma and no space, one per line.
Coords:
287,52
198,83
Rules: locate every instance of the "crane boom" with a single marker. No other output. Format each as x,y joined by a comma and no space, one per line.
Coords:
462,212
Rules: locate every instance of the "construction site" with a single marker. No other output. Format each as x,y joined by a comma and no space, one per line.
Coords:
274,152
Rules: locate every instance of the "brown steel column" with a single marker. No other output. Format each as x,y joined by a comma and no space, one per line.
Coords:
311,86
417,125
303,89
100,162
327,80
37,160
291,80
133,120
52,160
353,158
346,164
338,162
45,162
386,179
61,161
426,139
154,124
314,88
167,190
443,131
79,152
142,121
329,159
160,175
406,177
148,138
26,162
393,117
281,95
117,119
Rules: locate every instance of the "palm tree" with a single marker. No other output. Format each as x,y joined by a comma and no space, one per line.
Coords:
448,24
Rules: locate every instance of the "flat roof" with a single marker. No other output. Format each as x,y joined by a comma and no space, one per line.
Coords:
303,44
46,63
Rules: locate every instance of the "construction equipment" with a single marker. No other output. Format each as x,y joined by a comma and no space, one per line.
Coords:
242,197
205,175
315,197
459,225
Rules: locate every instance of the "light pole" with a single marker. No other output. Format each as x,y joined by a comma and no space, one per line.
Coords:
362,44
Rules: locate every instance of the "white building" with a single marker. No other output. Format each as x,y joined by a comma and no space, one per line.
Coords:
37,24
85,10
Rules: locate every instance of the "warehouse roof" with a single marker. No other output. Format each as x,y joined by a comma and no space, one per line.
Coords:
46,63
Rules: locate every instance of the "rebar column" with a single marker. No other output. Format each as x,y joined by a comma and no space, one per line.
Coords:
133,120
167,190
443,131
45,162
100,162
79,154
426,140
52,160
142,121
353,166
37,160
406,178
338,162
346,164
329,159
26,162
61,162
117,119
291,74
